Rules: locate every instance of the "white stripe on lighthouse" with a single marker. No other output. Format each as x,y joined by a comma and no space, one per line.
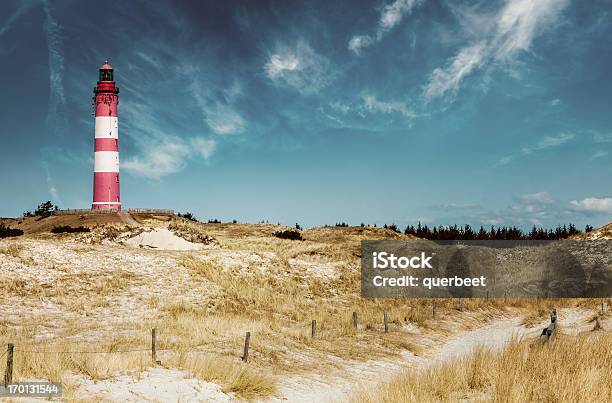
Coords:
107,127
106,161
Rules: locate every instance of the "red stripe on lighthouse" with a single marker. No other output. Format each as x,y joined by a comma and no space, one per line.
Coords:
106,109
107,145
106,190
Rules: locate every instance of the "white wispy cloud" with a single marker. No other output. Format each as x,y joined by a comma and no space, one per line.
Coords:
596,205
457,206
448,79
546,143
219,114
22,8
390,16
299,67
168,155
602,137
372,104
540,197
340,106
159,153
515,27
598,154
493,221
555,102
56,118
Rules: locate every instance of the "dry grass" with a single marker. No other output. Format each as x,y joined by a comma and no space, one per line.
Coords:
191,231
13,249
570,369
206,304
60,361
280,305
232,375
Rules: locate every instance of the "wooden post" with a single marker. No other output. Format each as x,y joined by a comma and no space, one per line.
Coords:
313,331
461,304
355,320
386,325
604,307
433,309
487,295
154,345
245,356
8,375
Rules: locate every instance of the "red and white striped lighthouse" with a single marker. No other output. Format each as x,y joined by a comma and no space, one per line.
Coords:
106,155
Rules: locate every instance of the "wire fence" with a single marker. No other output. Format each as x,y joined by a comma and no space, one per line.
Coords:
153,350
106,211
81,352
547,333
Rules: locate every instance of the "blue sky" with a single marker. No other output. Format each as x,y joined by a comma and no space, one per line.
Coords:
490,112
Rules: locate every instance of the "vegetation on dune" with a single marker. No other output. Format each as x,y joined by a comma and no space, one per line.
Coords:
569,369
188,216
44,210
292,234
6,231
61,229
192,231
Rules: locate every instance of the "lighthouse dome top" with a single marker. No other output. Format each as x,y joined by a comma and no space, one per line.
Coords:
106,66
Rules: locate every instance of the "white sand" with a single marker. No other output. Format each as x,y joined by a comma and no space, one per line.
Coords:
153,385
162,238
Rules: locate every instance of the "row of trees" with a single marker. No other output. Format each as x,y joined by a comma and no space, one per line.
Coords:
466,232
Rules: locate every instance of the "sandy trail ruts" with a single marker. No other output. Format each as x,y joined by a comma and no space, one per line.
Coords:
339,386
128,219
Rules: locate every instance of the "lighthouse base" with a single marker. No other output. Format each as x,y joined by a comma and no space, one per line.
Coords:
106,206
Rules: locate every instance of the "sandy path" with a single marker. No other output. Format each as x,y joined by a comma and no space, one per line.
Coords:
339,386
127,219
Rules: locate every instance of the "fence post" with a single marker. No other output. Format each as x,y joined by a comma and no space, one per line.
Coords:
461,304
355,320
154,345
386,322
604,307
245,356
8,375
433,309
313,329
487,295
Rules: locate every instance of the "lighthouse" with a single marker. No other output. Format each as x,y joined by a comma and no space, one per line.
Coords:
106,150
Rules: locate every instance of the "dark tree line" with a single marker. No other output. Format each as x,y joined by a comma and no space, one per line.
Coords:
44,210
466,232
